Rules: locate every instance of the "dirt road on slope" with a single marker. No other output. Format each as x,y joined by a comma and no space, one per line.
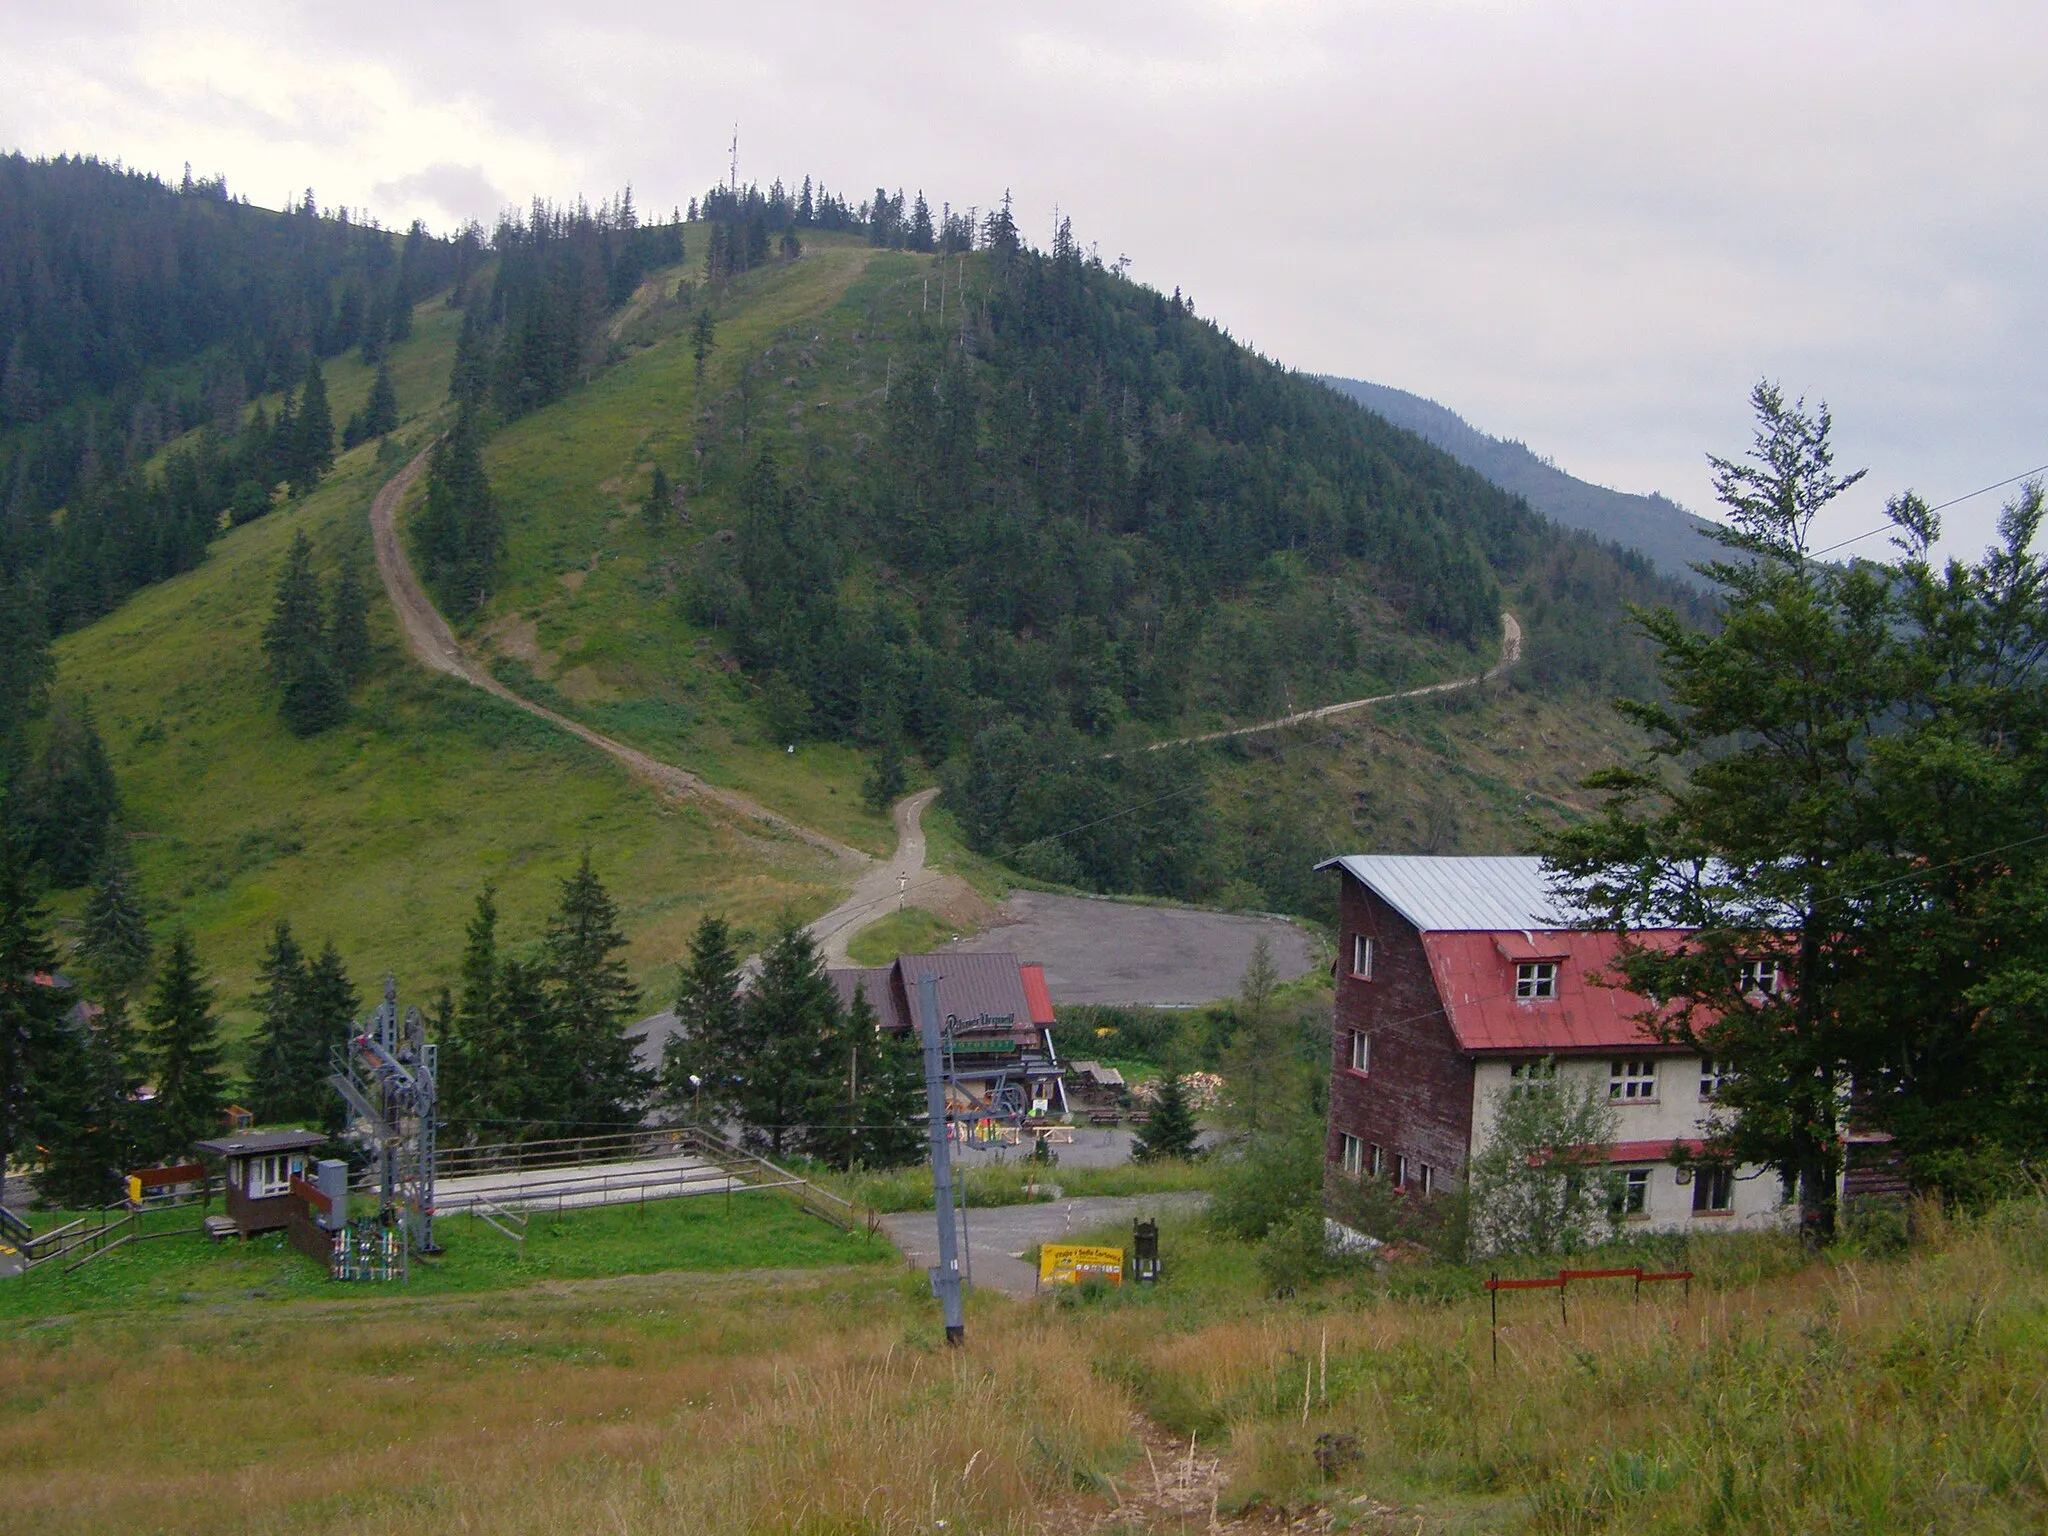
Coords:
1510,653
434,644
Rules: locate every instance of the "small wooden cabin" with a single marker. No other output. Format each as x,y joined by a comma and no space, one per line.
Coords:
260,1168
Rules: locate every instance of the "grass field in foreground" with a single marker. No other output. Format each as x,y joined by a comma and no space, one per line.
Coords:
707,1233
1787,1394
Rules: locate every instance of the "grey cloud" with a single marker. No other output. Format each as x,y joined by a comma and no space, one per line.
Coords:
1589,225
460,192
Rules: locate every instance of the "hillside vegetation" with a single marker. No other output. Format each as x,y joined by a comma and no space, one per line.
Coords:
380,832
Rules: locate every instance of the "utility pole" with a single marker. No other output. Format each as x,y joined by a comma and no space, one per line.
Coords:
946,1273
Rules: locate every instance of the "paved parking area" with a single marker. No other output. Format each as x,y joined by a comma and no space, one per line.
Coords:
1118,952
996,1235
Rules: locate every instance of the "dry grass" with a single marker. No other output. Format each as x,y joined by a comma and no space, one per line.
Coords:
1845,1395
1841,1395
674,1405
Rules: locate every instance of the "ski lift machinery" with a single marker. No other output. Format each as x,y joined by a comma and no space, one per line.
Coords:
386,1073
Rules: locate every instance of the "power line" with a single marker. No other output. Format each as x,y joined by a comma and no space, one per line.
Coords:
1944,506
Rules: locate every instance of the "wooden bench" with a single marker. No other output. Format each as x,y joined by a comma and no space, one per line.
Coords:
1103,1117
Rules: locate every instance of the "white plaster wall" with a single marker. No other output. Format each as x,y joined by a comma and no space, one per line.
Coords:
1678,1112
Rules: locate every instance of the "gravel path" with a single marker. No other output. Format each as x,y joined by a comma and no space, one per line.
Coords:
434,645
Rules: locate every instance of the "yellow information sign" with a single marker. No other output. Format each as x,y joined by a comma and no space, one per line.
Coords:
1071,1263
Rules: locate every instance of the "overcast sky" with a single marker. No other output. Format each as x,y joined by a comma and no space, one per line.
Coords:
1588,226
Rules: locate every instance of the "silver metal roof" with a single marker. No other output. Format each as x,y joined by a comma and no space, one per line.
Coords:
1460,894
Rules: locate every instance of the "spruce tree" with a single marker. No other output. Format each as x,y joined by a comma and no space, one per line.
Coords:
274,1087
1171,1130
790,1025
77,1129
659,508
32,1030
379,414
707,1041
593,1000
348,624
459,533
312,440
703,337
892,1098
327,1012
294,629
476,1052
184,1045
65,804
115,944
534,1077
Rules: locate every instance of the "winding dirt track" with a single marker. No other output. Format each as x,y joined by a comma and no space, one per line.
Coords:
436,647
1510,653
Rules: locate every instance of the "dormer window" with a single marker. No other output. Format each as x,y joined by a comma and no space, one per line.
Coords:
1536,978
1760,978
1361,957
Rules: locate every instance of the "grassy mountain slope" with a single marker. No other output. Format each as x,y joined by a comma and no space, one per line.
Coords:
1657,526
379,832
594,609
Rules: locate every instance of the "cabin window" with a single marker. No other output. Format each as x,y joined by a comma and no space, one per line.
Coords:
1361,1051
1425,1177
1354,1154
1536,978
272,1174
1713,1189
1714,1076
1400,1170
1632,1194
1633,1081
1525,1075
1361,957
1759,978
1375,1160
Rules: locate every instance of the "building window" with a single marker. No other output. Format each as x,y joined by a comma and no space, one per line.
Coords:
1361,1051
1536,978
1375,1160
1634,1080
1713,1189
1354,1154
1400,1170
1425,1177
1361,957
1759,978
272,1175
1632,1194
1524,1075
1714,1075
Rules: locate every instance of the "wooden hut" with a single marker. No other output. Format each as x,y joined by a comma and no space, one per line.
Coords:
260,1168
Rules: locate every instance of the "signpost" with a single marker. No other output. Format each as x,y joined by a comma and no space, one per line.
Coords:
1072,1263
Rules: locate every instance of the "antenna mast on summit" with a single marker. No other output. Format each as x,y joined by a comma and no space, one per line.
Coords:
734,187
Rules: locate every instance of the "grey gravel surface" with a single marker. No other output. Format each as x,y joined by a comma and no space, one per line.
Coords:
1119,952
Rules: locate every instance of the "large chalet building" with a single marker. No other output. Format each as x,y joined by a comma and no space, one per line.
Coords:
1456,977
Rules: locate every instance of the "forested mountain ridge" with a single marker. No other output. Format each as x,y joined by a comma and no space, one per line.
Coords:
1004,511
973,510
1673,538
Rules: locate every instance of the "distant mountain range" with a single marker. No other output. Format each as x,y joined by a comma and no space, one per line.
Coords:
1657,526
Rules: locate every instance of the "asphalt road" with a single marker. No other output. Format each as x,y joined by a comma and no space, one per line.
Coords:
1119,952
997,1235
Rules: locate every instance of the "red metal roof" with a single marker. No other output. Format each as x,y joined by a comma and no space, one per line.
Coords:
1476,979
1036,995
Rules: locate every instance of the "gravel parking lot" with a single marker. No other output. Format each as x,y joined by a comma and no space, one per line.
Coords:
1118,952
